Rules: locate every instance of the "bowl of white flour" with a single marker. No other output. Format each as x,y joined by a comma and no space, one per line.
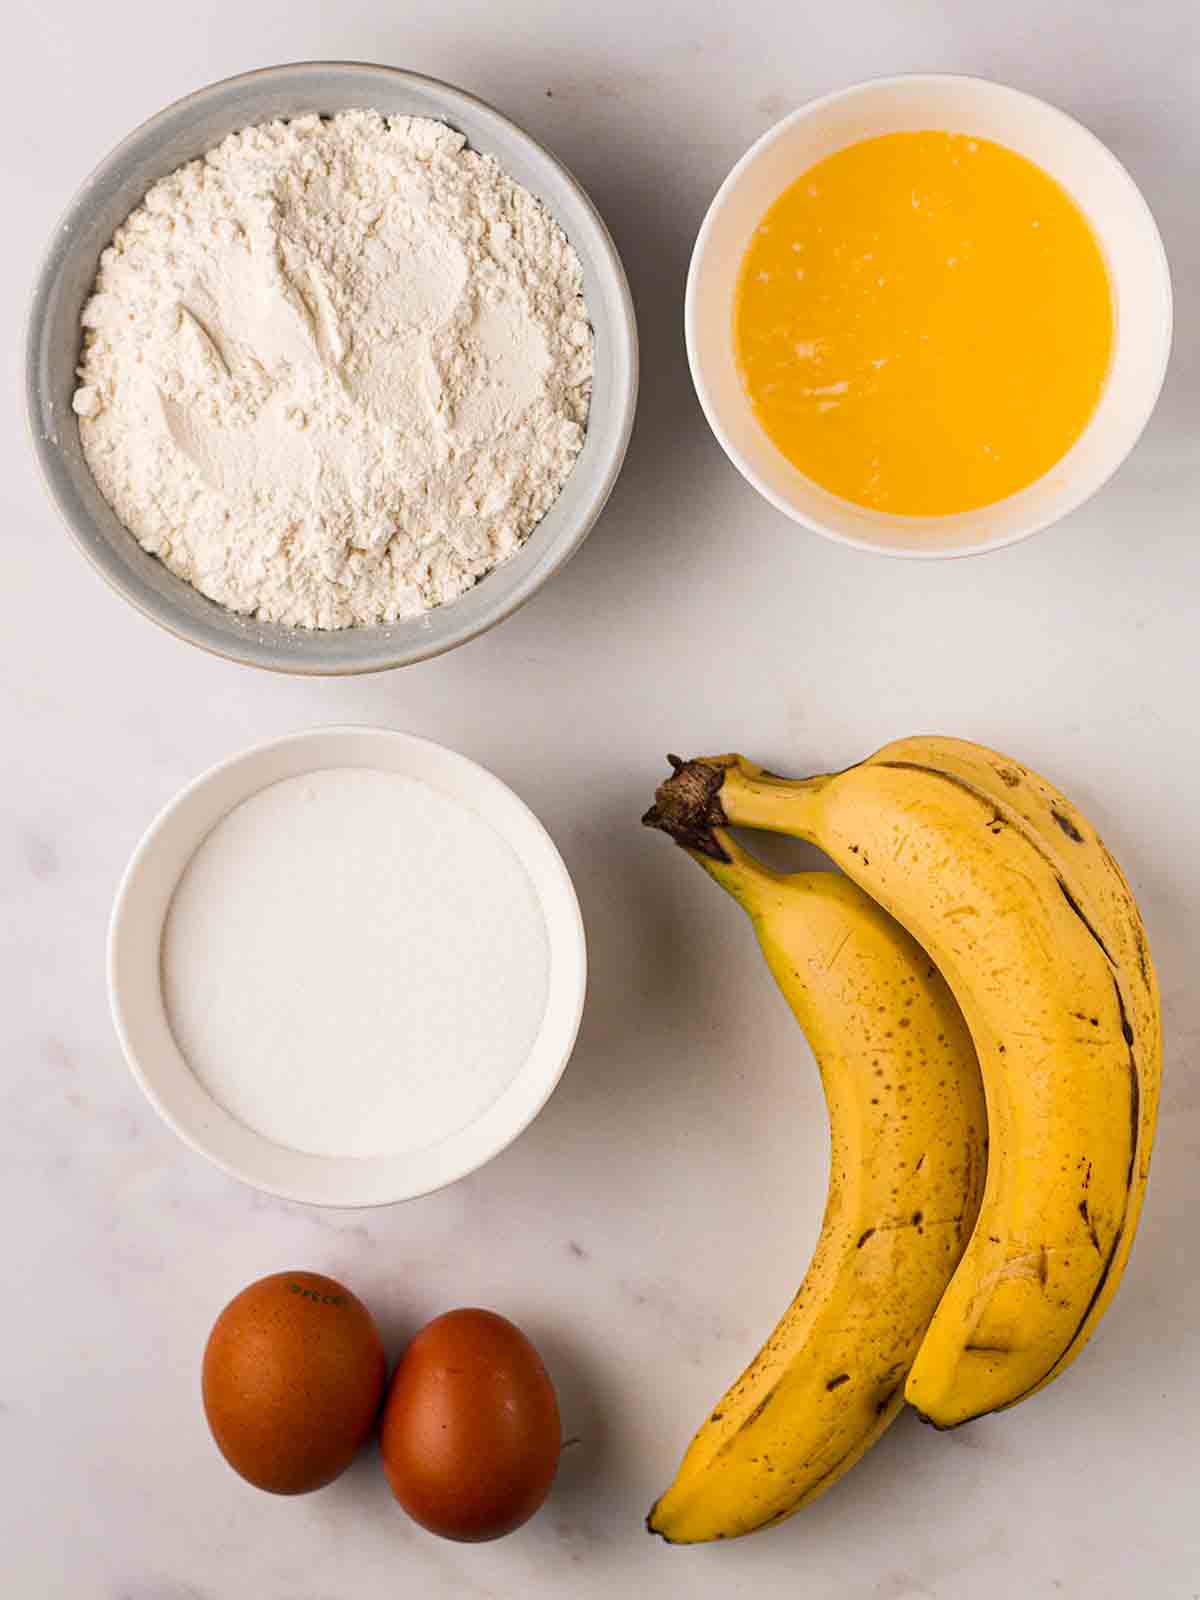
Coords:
348,966
330,366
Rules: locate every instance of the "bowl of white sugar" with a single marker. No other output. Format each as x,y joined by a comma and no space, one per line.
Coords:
347,966
330,367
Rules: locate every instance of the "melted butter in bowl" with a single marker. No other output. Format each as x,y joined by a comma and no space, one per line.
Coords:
928,315
924,322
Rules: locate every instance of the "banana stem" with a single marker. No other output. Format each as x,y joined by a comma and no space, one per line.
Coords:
752,798
703,797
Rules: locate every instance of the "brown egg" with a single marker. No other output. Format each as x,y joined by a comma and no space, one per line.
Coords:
471,1432
293,1375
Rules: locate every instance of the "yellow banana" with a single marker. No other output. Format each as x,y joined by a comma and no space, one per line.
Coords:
1039,938
907,1122
1023,798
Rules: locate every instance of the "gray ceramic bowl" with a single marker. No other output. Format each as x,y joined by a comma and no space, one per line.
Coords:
184,131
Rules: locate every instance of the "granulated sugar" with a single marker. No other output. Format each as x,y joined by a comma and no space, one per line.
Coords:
355,964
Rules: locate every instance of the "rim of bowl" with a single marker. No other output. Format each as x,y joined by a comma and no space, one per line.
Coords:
114,571
577,954
910,552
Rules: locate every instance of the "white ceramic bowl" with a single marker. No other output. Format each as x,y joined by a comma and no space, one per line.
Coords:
1085,168
186,130
135,939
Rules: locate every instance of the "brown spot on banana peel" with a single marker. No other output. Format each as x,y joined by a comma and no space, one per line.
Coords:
1090,1226
918,1220
758,1411
1067,826
836,1383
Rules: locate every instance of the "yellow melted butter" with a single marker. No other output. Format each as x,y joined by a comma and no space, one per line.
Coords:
924,322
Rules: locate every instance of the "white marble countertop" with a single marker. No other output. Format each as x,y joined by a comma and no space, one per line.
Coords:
653,1222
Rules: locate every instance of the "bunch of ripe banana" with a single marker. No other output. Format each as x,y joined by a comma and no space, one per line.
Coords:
981,950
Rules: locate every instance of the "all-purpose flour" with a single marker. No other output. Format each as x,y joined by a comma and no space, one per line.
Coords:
354,964
337,370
